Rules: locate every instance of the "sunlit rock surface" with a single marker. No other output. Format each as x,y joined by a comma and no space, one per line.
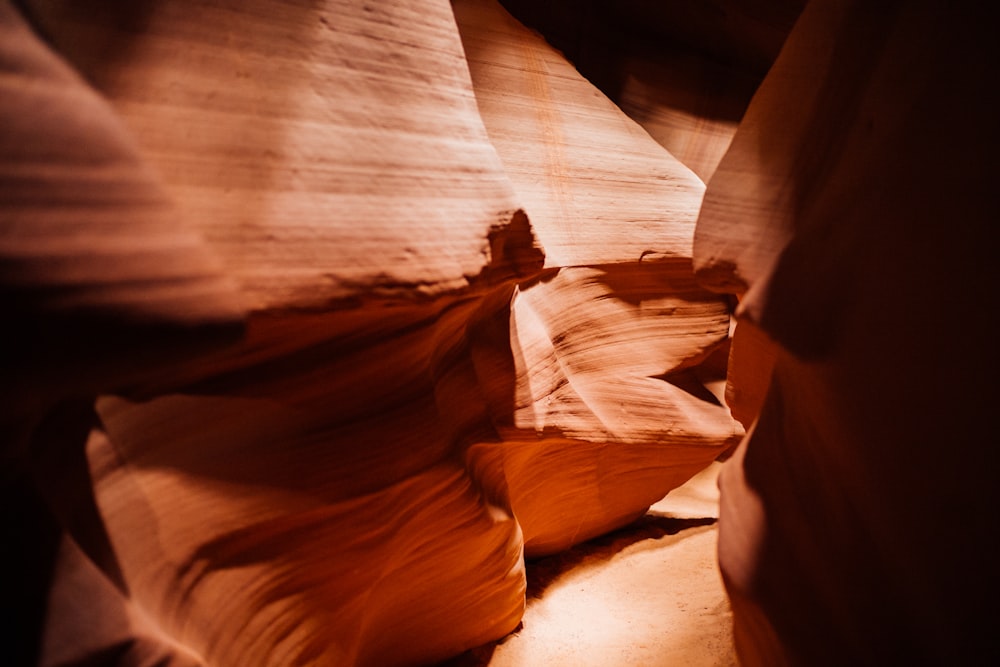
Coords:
602,603
684,70
852,213
420,396
362,233
297,500
608,409
326,150
380,298
597,188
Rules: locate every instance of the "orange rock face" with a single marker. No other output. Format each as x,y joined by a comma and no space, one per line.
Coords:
99,274
606,410
327,316
472,330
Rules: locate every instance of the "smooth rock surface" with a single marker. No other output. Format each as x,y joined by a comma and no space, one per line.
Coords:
420,395
363,235
690,105
608,412
852,213
103,286
329,151
101,280
483,328
597,188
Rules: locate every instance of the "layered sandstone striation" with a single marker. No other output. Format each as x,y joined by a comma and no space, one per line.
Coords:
463,341
327,316
685,70
607,408
102,287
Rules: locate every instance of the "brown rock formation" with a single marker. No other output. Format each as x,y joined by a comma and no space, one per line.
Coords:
690,105
379,298
99,277
267,121
102,287
852,213
354,481
298,502
609,410
685,71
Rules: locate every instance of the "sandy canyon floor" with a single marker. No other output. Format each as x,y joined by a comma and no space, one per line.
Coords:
649,594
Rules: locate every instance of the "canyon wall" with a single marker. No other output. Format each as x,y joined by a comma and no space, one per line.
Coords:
469,334
324,316
850,215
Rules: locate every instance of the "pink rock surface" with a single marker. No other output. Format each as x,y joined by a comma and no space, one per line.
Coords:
101,279
420,397
381,299
608,411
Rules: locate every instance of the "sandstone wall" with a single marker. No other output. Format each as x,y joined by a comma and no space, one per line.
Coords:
471,329
323,317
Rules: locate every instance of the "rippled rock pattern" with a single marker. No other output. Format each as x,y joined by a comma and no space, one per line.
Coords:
462,343
323,317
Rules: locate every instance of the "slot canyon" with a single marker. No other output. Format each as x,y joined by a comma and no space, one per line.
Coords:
498,332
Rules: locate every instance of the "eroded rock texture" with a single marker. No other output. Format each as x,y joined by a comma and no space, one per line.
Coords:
380,298
102,287
851,214
313,495
98,271
683,70
607,410
465,341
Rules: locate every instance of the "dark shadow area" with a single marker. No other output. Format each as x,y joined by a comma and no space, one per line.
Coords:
29,540
687,380
92,52
655,278
598,36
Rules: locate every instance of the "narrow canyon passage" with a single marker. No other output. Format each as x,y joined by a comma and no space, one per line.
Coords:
399,333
